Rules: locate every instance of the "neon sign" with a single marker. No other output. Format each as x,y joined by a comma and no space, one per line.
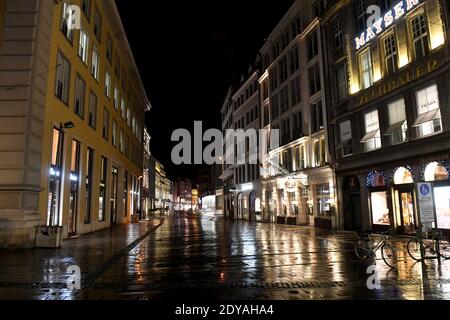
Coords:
380,25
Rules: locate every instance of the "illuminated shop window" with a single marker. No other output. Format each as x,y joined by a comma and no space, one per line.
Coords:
403,176
429,117
442,204
436,172
380,211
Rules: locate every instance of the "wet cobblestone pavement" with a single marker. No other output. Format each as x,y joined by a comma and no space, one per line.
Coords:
209,258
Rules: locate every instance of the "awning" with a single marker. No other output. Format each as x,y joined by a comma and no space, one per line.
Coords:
370,135
425,117
394,127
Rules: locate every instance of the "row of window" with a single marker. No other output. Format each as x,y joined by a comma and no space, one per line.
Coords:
294,29
286,67
248,93
250,116
62,89
77,181
110,91
397,128
389,50
246,173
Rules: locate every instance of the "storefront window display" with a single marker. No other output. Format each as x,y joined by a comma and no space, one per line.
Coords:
380,210
436,172
403,176
442,203
323,199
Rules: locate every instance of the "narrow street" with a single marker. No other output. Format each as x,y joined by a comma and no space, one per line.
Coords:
208,257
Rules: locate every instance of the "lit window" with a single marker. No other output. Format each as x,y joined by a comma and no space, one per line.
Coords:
429,114
65,14
114,129
116,98
123,108
108,84
365,61
95,66
83,49
397,122
372,138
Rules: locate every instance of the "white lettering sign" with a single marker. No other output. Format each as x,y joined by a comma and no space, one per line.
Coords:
377,25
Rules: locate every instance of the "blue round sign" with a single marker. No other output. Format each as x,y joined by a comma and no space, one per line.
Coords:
424,189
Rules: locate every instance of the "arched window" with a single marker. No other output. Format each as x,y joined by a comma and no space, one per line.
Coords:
436,172
403,176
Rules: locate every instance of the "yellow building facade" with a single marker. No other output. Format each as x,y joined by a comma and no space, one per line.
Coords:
82,125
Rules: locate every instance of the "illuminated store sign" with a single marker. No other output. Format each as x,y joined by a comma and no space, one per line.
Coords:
398,11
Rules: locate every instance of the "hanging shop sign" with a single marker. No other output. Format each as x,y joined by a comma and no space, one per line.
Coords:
390,17
426,205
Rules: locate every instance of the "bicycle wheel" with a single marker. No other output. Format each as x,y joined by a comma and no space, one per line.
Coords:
444,249
415,250
361,249
389,255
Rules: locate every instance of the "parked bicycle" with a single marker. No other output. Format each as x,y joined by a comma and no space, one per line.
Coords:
367,246
428,245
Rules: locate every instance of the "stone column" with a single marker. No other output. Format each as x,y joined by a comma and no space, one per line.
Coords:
24,63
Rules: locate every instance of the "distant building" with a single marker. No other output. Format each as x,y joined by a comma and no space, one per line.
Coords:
182,194
241,183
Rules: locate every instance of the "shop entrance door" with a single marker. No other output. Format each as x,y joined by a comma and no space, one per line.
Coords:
407,212
114,181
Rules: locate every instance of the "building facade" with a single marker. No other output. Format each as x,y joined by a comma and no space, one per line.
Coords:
163,188
390,116
298,184
72,118
241,175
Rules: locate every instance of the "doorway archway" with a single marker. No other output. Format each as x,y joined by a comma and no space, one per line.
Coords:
352,204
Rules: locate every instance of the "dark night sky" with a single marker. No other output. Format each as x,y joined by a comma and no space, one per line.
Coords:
188,53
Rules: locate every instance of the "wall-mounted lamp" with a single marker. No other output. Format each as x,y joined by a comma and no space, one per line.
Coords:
68,125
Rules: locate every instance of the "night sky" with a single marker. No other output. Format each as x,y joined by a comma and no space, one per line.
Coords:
188,53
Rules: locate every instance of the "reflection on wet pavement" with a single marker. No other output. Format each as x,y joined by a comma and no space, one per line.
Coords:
213,258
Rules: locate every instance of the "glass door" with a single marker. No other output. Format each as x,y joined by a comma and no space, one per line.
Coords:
407,212
114,181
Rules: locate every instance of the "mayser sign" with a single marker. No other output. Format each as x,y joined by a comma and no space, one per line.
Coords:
381,23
